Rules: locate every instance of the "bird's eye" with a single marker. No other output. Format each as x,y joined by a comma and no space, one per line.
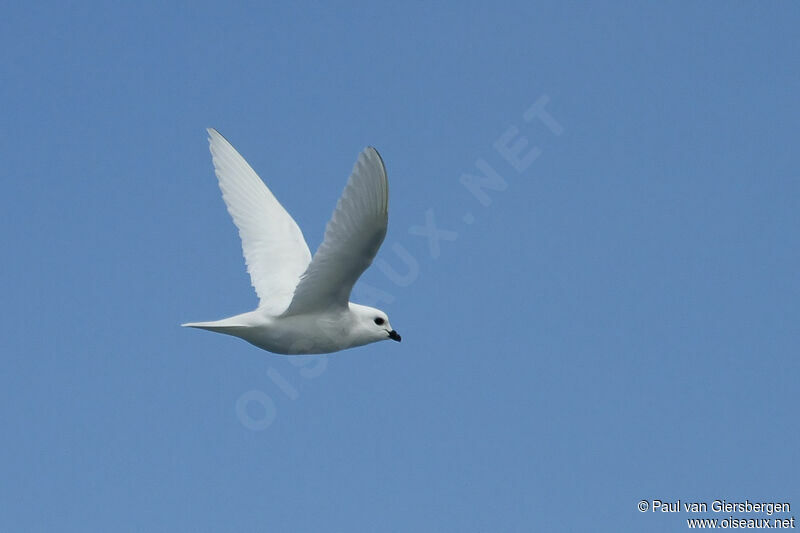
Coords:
379,321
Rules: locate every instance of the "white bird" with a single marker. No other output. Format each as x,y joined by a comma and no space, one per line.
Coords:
304,305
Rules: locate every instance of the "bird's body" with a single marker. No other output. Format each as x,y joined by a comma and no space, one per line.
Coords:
315,333
304,302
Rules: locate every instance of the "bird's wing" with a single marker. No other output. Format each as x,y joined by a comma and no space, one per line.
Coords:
352,238
274,248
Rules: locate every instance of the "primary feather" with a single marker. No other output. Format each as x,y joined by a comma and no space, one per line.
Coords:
352,238
273,245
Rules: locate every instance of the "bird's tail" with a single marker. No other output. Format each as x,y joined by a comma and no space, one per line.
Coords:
226,325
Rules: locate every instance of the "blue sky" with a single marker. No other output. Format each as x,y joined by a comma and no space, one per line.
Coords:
619,323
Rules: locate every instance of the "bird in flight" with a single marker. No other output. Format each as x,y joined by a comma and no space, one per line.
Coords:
304,305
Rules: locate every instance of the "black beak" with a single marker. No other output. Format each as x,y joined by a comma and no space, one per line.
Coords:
394,336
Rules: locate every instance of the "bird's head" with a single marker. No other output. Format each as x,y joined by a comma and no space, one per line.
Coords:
373,324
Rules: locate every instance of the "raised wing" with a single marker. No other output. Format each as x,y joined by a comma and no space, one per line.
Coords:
274,248
352,238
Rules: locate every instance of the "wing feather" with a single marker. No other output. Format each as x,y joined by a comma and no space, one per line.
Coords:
352,238
273,245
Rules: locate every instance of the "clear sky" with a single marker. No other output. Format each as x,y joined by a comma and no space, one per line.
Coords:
613,318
